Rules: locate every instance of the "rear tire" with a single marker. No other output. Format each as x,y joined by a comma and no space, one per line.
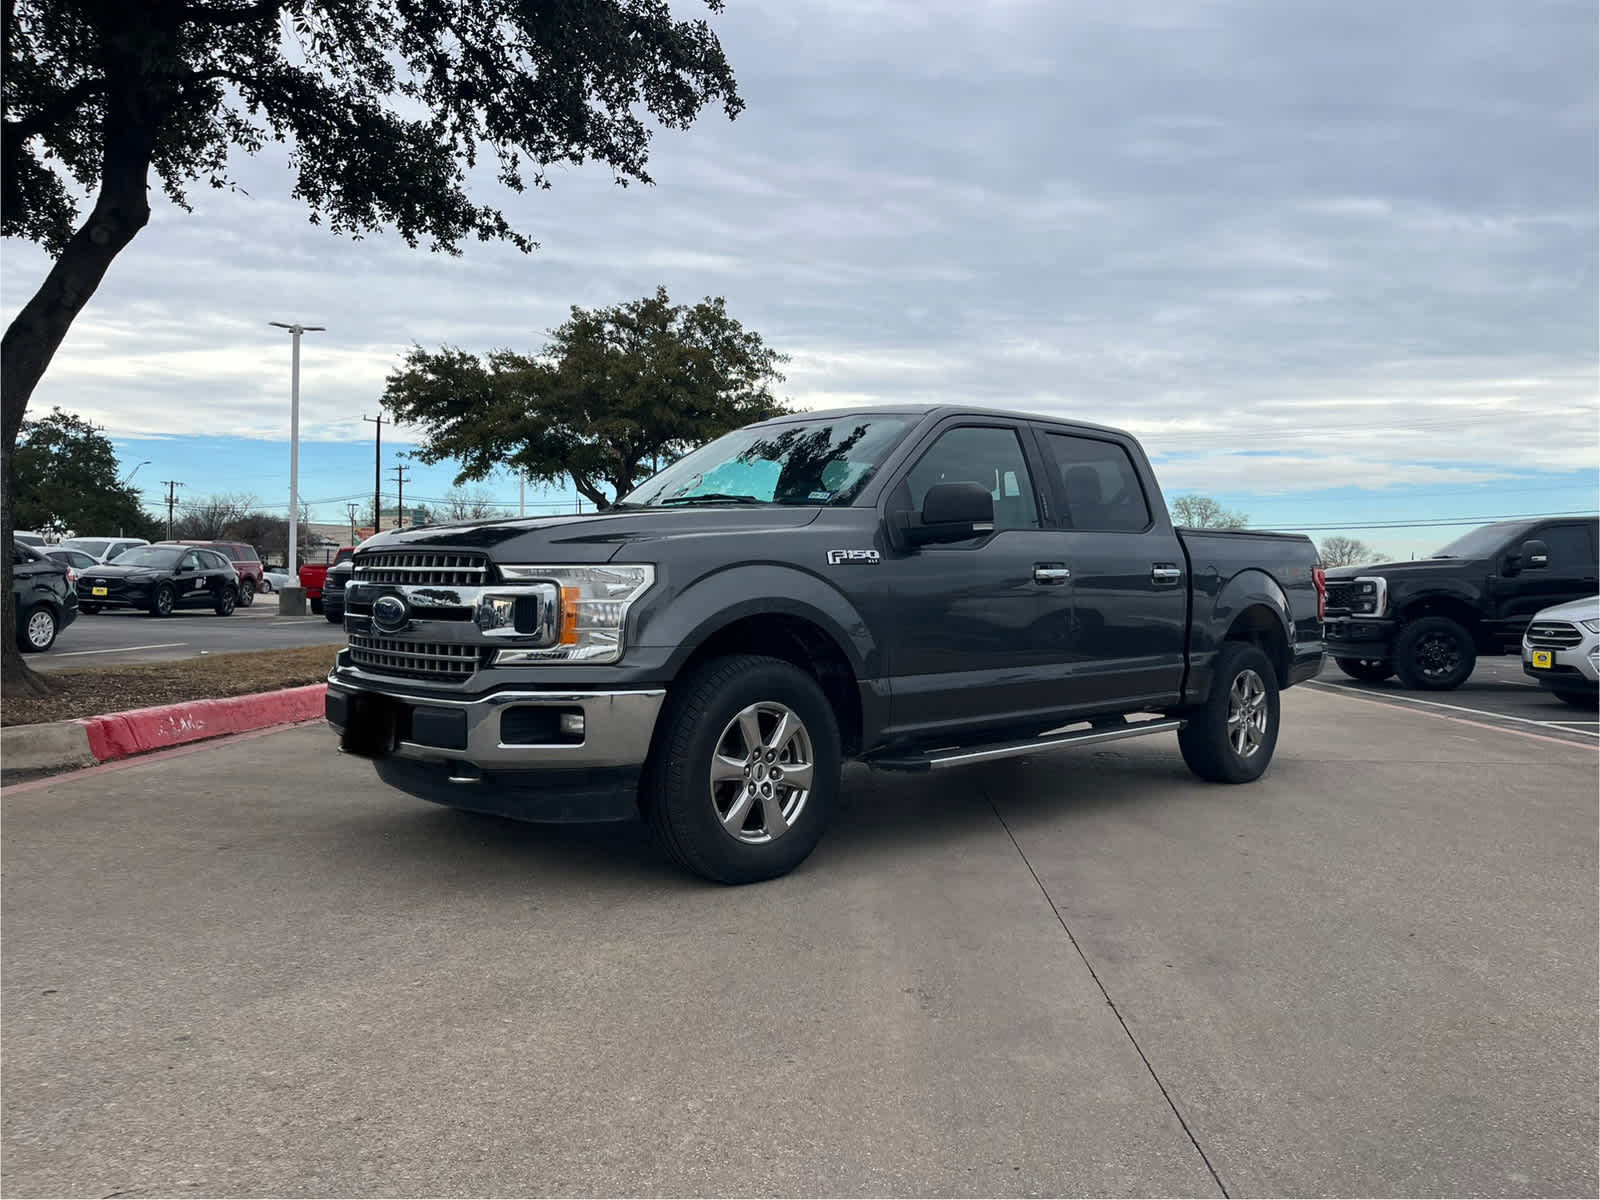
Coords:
745,771
1230,738
39,629
89,609
1434,654
1368,670
247,593
226,602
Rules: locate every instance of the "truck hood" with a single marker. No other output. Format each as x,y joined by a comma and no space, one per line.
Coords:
1420,566
596,536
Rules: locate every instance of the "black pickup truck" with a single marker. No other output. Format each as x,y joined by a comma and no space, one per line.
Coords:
915,588
1427,621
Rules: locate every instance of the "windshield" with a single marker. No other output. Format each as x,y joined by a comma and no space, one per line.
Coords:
95,546
1480,543
819,461
151,556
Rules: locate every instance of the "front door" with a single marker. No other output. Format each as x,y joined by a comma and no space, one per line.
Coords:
1571,574
969,633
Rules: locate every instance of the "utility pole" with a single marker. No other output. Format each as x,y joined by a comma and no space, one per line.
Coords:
400,478
172,500
295,330
350,507
377,472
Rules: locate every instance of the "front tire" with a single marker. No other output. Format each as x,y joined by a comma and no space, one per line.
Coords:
1230,738
89,609
745,772
226,602
316,607
1434,654
161,603
1368,670
247,593
39,629
334,618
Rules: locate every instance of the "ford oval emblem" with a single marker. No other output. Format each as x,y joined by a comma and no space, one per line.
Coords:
389,614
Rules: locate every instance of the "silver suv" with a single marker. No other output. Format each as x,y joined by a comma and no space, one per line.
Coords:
1561,649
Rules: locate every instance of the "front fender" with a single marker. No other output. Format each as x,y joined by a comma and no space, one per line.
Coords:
720,597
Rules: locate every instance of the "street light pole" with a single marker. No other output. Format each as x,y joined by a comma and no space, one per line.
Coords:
295,330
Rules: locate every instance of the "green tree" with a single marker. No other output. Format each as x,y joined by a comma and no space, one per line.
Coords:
65,479
1202,512
614,392
388,105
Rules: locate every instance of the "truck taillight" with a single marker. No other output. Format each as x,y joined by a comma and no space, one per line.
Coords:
1320,578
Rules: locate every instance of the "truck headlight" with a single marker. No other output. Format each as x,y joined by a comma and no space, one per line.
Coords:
592,612
1369,596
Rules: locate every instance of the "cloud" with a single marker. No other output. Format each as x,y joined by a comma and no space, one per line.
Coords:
1362,237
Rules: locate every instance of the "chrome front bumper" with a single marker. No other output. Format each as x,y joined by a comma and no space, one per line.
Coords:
617,725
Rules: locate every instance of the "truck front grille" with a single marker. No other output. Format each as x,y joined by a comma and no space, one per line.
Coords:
1553,634
414,660
427,568
1340,594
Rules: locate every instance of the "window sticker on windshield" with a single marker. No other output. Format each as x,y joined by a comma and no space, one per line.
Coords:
820,496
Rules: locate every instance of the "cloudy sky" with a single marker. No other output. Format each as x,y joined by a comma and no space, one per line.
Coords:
1335,263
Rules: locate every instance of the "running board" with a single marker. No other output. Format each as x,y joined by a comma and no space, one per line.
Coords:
958,756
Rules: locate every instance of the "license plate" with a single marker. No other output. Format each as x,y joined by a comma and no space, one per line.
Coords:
97,591
1543,659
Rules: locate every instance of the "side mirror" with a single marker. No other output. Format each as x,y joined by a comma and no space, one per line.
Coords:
952,512
1533,554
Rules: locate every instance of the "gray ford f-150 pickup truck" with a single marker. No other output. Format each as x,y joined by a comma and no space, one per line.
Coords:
917,588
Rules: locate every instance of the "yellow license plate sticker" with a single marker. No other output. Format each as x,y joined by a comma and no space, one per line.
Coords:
98,591
1542,659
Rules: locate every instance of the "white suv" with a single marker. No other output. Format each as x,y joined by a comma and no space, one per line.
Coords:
1561,649
103,548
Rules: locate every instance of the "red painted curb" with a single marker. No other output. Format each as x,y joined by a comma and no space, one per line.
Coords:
118,735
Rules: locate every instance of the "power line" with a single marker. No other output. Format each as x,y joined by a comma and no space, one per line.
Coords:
172,498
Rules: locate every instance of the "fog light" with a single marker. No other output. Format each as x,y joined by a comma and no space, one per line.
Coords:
572,724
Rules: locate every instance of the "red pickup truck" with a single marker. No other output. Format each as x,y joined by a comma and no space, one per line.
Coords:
312,575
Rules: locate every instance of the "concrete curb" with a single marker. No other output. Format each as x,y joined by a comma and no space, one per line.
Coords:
63,745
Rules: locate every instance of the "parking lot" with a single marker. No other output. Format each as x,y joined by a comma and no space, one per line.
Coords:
247,968
125,636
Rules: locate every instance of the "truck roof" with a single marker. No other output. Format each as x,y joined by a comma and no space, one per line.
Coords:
940,410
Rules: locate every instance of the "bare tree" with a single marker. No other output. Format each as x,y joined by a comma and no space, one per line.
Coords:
1202,512
1340,551
210,518
462,505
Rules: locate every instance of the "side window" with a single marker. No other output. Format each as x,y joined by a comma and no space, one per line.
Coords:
190,561
1099,485
1570,547
992,458
247,554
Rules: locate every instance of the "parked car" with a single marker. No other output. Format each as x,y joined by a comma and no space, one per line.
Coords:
312,575
272,581
160,579
103,549
44,599
916,588
1428,621
333,589
245,561
77,560
1561,649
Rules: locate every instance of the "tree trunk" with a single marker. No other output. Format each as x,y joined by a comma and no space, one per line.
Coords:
590,492
121,209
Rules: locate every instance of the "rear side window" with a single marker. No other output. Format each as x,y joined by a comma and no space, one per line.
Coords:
343,556
1099,485
246,554
211,560
1570,547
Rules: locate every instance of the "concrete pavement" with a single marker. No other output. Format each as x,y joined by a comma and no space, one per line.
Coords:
248,969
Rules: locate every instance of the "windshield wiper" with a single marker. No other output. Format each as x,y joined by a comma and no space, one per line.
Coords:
711,498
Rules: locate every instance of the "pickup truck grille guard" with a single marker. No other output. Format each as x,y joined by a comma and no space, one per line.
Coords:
1553,634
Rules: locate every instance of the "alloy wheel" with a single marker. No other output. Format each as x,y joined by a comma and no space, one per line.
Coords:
761,773
41,629
1247,713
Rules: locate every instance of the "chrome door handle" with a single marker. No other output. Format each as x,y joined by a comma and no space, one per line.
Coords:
1044,574
1162,573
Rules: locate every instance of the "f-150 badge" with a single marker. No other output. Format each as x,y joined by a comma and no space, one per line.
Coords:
870,558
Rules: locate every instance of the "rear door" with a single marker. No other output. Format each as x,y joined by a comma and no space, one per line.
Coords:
1129,592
